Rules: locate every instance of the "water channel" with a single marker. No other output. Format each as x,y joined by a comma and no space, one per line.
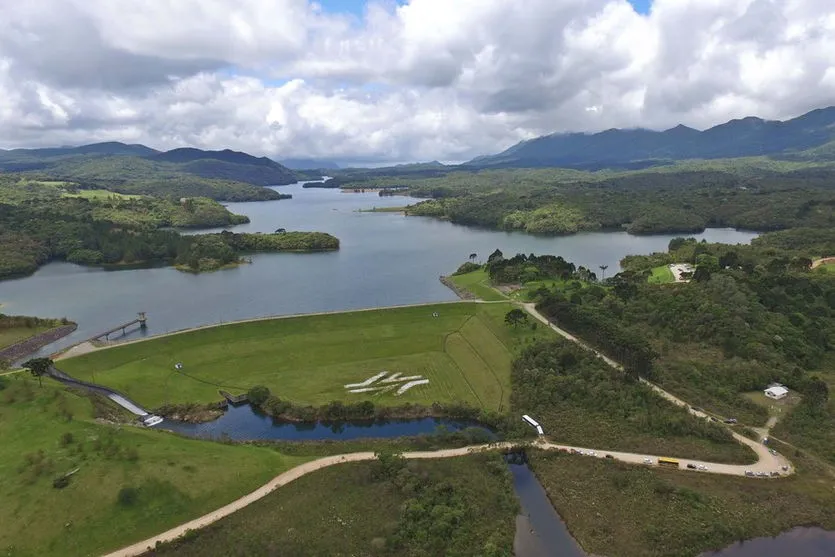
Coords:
384,259
242,423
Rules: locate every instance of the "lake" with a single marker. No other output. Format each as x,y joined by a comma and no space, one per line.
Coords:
385,259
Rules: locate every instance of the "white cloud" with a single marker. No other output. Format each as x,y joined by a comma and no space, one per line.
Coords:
431,79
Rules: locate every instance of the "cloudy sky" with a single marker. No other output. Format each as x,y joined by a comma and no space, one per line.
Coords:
388,80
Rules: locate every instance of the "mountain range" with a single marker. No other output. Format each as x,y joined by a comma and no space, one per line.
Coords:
114,160
806,137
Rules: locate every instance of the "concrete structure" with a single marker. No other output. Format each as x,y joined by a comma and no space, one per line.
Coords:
776,392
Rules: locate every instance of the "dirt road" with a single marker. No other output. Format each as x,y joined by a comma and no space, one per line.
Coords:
768,462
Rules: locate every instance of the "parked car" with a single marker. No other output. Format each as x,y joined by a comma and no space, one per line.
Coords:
701,467
772,451
691,466
730,421
775,473
749,473
647,461
609,456
785,468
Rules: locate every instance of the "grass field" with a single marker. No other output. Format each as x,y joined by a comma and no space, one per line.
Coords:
661,275
345,510
826,268
478,283
647,512
12,335
47,432
465,353
99,195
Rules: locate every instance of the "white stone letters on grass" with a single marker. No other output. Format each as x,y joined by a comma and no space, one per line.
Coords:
378,384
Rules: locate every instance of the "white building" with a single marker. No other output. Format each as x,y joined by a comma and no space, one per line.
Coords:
776,392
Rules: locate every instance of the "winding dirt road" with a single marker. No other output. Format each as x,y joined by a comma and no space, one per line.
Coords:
768,462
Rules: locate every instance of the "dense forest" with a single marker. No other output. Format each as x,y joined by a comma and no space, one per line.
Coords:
752,315
44,221
640,203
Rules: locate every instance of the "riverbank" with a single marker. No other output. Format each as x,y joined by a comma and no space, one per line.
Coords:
461,292
20,350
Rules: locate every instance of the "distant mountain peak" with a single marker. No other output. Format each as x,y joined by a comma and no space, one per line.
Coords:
623,148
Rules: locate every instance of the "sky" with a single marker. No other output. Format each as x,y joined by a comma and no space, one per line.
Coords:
376,81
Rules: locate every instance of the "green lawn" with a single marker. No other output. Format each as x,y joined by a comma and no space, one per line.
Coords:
465,353
462,506
47,432
478,283
826,268
661,275
12,335
99,195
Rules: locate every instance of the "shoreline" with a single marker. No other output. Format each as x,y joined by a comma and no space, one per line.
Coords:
32,344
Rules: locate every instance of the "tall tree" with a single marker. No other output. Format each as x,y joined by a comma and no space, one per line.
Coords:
38,367
603,271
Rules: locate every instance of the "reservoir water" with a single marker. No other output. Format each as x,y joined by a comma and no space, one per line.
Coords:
384,259
242,423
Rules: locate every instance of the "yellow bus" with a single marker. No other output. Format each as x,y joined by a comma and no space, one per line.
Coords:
668,462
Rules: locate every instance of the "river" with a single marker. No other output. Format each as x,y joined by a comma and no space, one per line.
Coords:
384,259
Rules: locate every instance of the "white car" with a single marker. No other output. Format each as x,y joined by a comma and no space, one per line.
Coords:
701,467
592,453
647,461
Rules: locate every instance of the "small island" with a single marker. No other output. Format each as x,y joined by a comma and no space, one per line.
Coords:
212,252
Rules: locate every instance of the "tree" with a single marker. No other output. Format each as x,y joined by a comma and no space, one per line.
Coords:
473,257
515,317
258,395
38,367
603,271
495,256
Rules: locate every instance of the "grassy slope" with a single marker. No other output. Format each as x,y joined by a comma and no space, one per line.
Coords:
651,513
178,479
465,353
478,283
661,275
97,195
341,510
13,335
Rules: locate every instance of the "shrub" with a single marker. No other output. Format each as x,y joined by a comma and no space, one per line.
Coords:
67,439
258,395
61,482
127,496
467,267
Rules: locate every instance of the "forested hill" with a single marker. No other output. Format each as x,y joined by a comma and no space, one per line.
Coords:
801,137
115,162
